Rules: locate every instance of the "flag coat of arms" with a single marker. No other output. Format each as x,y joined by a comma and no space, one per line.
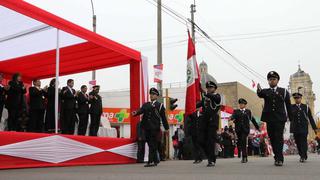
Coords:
193,79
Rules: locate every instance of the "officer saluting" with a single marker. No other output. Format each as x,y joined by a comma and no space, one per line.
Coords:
153,112
241,118
276,111
211,106
299,126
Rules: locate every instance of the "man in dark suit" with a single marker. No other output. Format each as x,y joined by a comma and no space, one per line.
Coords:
153,114
68,108
241,118
276,111
95,101
37,106
83,110
211,107
2,95
302,115
197,129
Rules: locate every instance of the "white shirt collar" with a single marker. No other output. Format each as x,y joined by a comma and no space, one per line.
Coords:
275,88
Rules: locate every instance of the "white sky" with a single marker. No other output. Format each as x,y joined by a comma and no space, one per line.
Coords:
130,21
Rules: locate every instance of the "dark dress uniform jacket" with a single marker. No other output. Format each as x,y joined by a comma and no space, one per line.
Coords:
15,98
96,104
83,103
277,105
153,113
68,98
197,126
37,98
211,107
242,120
301,117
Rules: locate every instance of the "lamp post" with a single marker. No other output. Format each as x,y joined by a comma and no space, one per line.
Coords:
94,25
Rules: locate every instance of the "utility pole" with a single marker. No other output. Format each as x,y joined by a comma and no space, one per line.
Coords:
159,41
94,25
193,10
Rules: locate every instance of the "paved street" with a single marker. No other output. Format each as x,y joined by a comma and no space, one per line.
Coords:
257,168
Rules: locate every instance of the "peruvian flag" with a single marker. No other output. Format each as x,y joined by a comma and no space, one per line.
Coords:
253,84
193,79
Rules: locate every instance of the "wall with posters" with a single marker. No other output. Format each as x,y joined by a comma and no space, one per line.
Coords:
122,116
120,119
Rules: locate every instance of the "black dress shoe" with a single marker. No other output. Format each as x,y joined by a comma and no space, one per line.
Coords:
279,163
197,161
244,160
150,165
211,164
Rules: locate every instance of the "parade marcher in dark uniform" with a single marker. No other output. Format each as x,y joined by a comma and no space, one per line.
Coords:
302,115
276,111
141,140
49,124
15,102
68,108
197,131
36,107
83,110
241,118
153,114
226,142
2,95
95,101
233,140
211,107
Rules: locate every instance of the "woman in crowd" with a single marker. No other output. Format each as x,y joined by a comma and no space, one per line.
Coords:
50,118
15,102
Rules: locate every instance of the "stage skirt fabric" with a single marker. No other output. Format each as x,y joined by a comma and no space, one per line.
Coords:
23,150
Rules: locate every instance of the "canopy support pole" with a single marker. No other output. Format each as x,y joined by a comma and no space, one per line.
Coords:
56,95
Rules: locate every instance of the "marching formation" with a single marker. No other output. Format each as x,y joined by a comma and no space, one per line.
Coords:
277,110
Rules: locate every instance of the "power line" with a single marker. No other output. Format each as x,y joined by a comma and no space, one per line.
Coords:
224,60
258,75
226,37
269,35
273,31
165,10
182,19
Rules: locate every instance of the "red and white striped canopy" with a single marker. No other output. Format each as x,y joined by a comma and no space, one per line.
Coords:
28,39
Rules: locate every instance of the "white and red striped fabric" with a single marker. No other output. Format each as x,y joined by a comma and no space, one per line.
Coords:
21,150
193,79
